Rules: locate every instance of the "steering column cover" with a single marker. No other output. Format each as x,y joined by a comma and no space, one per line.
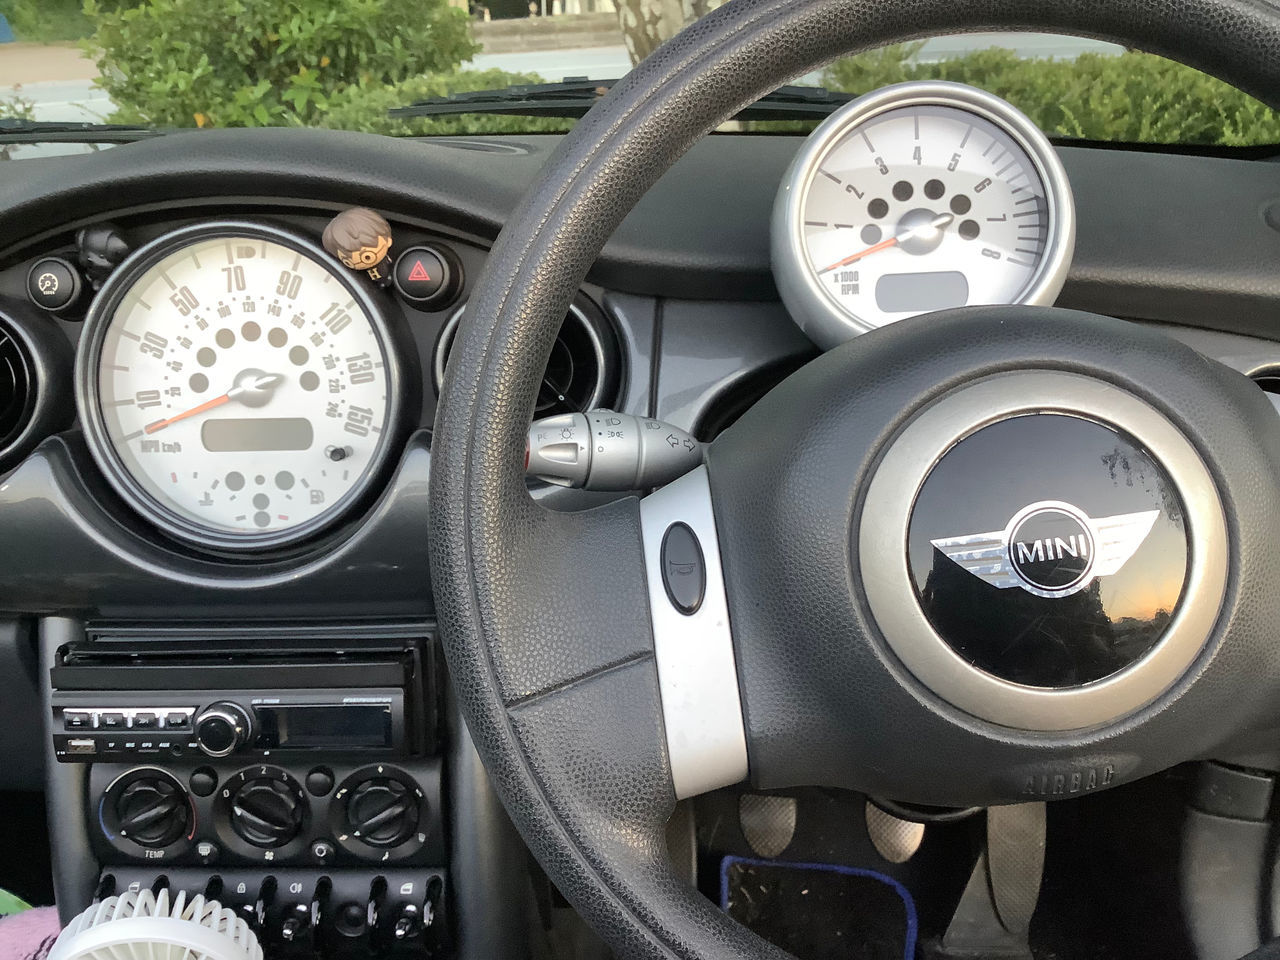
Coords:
561,698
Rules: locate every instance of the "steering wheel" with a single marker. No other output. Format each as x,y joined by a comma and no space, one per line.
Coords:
822,653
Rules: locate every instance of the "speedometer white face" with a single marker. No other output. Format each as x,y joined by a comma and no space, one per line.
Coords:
237,387
917,198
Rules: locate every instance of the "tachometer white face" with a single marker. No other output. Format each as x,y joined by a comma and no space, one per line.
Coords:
923,208
918,201
241,387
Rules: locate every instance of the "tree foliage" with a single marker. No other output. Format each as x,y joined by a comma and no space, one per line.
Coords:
260,62
364,107
1130,97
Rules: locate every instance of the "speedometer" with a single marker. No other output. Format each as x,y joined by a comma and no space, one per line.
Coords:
915,198
236,386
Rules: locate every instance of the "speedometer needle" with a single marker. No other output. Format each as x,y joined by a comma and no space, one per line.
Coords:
253,387
937,223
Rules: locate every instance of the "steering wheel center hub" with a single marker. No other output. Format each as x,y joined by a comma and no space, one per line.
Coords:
1051,548
1048,550
1057,570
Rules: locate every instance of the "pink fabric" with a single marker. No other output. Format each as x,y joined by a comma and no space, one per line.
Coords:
29,935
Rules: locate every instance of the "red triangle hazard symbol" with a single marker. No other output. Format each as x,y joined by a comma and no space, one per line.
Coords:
419,272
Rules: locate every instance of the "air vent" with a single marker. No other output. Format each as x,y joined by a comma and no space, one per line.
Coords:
17,388
582,372
1269,381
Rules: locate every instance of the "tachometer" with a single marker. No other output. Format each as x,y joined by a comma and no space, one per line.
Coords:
236,385
920,197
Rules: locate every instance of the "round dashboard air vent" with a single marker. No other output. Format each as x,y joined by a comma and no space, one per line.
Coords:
17,388
582,372
1268,380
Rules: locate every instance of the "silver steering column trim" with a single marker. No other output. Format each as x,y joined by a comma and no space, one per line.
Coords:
697,672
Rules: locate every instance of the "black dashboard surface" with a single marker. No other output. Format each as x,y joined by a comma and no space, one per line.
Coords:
1184,241
1176,238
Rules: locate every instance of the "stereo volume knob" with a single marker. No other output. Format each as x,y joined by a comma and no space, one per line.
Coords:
223,728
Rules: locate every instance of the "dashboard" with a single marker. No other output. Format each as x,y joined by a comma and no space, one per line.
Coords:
216,401
679,319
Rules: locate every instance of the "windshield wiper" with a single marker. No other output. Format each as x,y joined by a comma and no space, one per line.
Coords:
18,130
576,95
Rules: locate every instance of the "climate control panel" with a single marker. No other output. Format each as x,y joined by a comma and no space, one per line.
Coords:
287,814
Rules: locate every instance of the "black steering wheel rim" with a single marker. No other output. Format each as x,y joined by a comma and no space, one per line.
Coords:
547,676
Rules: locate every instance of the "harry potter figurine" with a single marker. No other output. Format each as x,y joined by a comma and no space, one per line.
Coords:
361,239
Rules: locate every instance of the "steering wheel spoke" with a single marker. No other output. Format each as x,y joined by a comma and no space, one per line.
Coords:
692,637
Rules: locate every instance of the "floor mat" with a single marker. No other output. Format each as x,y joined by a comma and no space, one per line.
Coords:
818,911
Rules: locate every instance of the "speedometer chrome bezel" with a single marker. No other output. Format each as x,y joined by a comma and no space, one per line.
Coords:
820,315
88,399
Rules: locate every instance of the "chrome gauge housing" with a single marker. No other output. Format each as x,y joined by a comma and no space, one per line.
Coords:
238,387
919,197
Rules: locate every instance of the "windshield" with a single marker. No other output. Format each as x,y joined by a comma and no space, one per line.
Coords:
345,63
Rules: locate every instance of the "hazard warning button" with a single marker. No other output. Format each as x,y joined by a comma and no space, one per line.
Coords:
427,277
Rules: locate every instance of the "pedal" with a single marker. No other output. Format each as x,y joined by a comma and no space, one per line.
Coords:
994,914
895,839
768,822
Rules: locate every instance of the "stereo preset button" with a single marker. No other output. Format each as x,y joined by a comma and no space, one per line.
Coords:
144,721
176,721
111,721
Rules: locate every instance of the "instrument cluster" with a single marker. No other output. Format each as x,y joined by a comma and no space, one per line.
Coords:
919,197
236,386
245,386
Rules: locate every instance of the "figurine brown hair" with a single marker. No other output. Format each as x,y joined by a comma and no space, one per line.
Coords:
360,238
357,230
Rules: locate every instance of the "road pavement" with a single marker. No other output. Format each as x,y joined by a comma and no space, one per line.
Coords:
58,79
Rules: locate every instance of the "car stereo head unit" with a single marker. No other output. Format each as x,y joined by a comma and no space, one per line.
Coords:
146,702
113,725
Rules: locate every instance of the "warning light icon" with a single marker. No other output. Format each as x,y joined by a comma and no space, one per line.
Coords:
419,273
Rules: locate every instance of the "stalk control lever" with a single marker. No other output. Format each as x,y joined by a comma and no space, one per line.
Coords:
604,450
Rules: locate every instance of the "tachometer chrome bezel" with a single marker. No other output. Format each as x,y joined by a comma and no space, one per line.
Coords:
824,319
88,398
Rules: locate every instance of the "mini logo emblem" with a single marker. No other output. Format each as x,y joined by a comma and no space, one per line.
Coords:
1051,548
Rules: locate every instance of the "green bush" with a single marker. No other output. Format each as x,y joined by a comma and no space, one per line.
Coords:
364,107
265,62
46,21
1131,97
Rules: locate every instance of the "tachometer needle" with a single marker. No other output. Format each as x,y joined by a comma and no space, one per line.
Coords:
937,223
253,387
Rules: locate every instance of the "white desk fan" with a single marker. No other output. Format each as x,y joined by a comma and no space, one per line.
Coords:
144,926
